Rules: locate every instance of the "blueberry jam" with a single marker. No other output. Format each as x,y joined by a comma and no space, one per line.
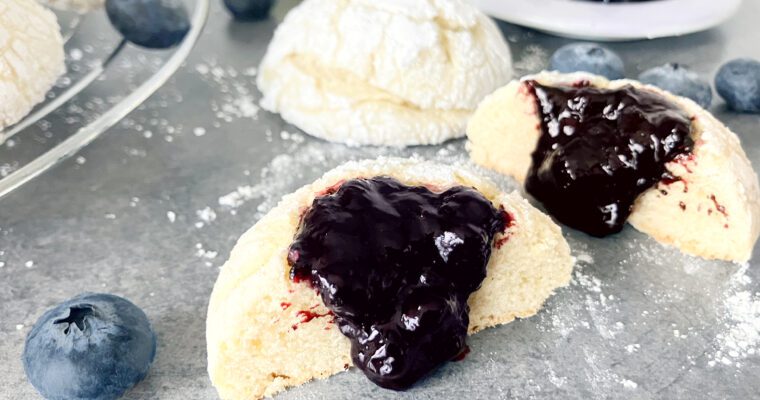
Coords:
396,265
600,149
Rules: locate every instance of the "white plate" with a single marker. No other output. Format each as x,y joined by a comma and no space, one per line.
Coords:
613,22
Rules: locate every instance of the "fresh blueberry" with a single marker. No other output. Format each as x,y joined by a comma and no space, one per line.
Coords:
249,9
588,57
156,24
680,80
94,346
738,82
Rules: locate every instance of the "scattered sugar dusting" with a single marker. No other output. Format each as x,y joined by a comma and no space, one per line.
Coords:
302,162
589,311
739,337
236,91
204,254
558,381
602,379
237,197
629,384
7,168
205,216
534,59
597,304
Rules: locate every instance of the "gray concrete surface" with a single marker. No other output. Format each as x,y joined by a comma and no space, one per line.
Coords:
640,320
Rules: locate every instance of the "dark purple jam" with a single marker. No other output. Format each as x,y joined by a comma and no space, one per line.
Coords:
600,149
396,265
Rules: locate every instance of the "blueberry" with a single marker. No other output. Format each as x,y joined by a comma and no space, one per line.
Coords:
249,9
155,24
94,346
738,82
588,57
679,80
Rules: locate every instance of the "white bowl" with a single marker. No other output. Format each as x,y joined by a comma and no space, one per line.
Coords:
613,21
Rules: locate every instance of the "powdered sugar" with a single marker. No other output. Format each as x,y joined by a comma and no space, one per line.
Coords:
558,381
415,76
601,379
739,337
629,384
533,59
632,348
7,168
235,90
237,197
206,215
206,255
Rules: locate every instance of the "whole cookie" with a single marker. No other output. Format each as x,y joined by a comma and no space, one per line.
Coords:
392,73
31,57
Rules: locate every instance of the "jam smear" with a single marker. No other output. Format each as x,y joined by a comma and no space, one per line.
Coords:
396,265
600,149
721,209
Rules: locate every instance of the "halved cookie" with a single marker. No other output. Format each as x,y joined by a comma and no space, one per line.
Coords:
31,57
268,328
594,150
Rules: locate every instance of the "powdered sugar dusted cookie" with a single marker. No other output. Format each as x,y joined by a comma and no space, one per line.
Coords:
395,73
583,143
31,57
267,331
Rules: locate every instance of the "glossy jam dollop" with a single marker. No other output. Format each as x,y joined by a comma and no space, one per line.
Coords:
600,149
396,265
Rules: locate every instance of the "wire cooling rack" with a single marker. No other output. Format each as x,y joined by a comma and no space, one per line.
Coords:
106,79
